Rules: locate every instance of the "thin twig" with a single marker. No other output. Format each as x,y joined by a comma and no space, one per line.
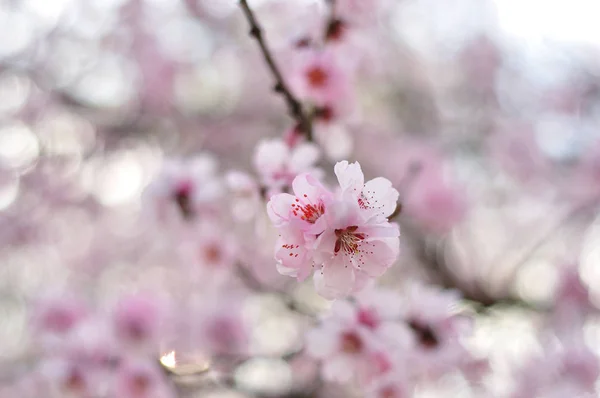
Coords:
294,105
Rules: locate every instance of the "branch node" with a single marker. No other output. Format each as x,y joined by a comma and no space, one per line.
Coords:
294,106
255,32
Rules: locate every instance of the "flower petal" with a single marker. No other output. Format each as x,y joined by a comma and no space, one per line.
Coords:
350,176
335,280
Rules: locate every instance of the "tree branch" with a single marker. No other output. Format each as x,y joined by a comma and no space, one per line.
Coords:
294,105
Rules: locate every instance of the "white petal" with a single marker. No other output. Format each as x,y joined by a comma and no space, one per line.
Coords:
336,280
286,271
304,157
350,176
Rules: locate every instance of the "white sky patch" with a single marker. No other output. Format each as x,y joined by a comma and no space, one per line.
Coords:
535,21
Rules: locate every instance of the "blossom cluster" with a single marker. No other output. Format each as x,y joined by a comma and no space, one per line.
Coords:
86,354
567,365
385,342
116,352
344,237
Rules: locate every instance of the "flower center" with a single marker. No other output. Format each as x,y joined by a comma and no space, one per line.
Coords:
425,334
368,318
303,42
140,383
351,343
212,254
135,329
59,321
75,381
335,30
183,198
389,392
348,240
317,77
325,113
308,212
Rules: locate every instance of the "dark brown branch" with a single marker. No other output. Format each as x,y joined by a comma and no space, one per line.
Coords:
294,105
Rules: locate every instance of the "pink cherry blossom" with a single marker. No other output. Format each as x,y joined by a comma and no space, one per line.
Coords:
354,248
344,349
55,318
141,379
185,188
319,77
569,370
365,333
346,237
572,302
208,253
304,209
67,378
278,164
92,343
437,330
223,326
137,322
392,385
377,196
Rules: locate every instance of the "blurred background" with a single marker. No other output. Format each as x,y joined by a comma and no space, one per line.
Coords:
500,98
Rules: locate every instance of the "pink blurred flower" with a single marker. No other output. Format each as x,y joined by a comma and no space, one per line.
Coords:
318,77
208,253
223,327
437,330
67,378
375,307
569,370
278,164
137,322
362,337
344,349
141,380
392,385
572,303
92,343
184,188
433,203
55,318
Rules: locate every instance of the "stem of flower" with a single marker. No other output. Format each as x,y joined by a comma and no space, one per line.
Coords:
294,105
